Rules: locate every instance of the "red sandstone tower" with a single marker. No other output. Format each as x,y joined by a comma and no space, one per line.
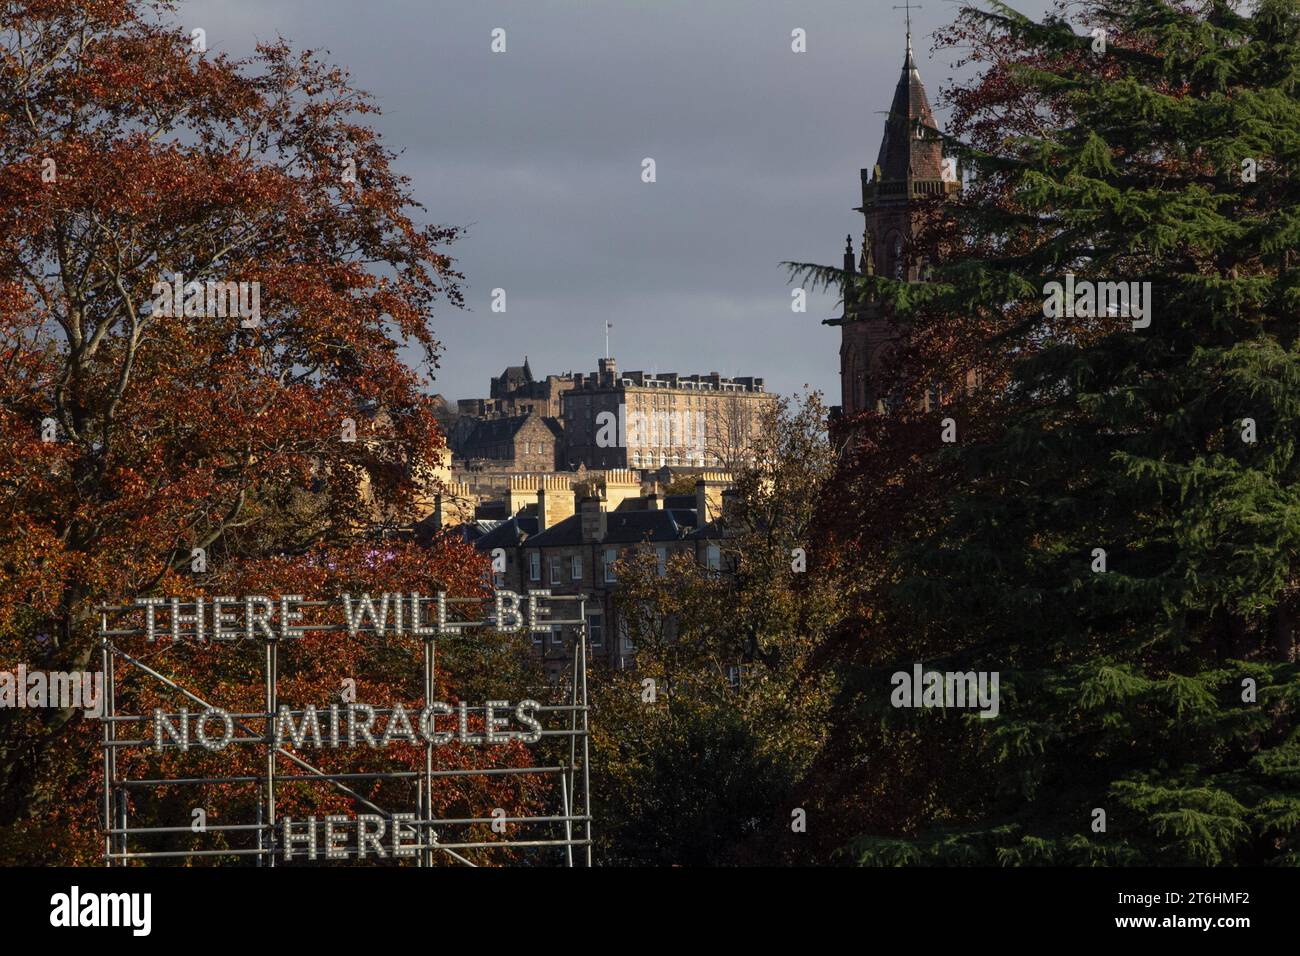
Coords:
909,169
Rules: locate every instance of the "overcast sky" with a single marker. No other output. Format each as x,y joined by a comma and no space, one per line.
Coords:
538,151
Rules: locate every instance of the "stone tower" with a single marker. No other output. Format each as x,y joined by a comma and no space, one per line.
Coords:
908,170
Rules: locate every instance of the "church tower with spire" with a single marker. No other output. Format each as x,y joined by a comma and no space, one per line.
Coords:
909,170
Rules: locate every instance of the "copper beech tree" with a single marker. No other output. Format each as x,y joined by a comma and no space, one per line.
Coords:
135,165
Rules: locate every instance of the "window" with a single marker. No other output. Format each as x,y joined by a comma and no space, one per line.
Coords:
611,555
557,635
535,566
662,554
713,557
596,631
557,564
733,676
575,567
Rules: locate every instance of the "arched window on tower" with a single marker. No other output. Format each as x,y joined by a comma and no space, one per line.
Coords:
900,263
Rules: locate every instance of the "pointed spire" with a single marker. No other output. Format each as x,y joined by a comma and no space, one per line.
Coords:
903,153
907,8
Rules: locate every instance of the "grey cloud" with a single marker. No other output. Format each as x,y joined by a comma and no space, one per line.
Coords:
538,150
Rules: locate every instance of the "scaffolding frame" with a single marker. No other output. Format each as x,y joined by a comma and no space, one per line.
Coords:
572,774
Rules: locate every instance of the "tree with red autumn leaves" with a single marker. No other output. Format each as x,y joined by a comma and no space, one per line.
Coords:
130,434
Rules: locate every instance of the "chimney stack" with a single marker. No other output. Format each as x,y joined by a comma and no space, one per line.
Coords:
521,492
708,495
453,505
592,512
554,501
621,484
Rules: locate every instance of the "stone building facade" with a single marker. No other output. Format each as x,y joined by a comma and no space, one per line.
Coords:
567,539
512,443
642,421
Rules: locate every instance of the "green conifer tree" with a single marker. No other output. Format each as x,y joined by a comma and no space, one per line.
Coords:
1116,531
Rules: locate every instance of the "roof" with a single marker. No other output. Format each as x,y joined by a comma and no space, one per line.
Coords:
902,154
562,534
621,527
685,517
473,530
492,431
506,534
514,376
710,531
631,526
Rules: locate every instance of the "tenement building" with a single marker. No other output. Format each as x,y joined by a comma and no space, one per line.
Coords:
567,536
909,172
642,420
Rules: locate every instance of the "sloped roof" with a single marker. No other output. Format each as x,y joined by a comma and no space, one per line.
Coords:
563,534
631,526
507,534
902,154
471,531
621,527
492,431
711,531
685,517
518,373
